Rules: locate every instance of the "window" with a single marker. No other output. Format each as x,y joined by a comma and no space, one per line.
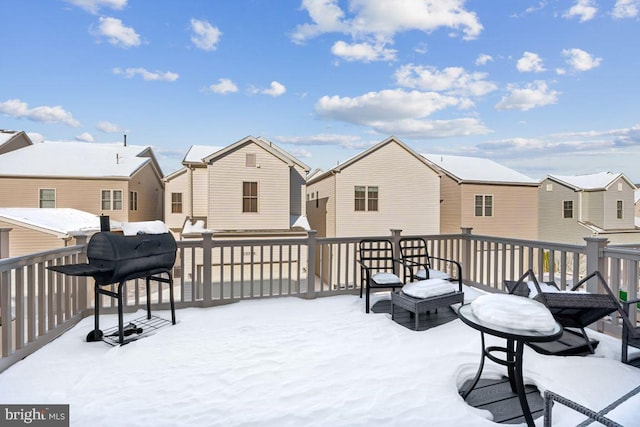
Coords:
483,205
619,209
117,200
567,209
47,198
365,198
133,200
549,187
372,195
619,186
360,197
249,197
111,200
250,160
176,202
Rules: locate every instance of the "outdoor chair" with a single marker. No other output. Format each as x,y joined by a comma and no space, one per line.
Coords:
378,267
571,309
630,330
419,264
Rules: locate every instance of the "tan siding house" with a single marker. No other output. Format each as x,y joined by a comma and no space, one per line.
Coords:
485,196
124,182
595,205
249,186
388,186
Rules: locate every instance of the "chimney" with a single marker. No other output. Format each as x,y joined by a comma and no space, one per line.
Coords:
125,139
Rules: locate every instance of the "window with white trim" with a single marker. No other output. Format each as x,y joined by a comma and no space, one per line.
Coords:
47,198
111,200
484,205
176,202
619,209
249,196
567,209
365,198
133,200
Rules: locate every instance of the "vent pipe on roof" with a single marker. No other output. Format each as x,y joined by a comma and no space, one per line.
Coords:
125,139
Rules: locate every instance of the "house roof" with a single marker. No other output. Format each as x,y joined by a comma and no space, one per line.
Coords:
76,159
477,170
197,153
338,168
591,182
61,222
6,135
264,143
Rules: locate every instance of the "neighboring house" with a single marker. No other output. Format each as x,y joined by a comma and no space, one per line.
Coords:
12,140
124,182
596,205
388,186
486,196
35,230
249,187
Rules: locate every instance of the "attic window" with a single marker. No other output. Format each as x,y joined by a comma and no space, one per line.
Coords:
549,187
250,160
619,186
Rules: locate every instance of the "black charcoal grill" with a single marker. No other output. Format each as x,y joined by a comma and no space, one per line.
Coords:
115,259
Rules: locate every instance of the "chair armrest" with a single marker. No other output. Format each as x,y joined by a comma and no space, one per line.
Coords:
458,267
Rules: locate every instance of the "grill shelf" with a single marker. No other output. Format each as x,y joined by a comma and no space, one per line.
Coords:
149,327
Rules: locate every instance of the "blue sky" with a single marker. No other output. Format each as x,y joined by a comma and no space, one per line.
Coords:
540,86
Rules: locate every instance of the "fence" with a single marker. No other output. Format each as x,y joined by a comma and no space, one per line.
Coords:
37,305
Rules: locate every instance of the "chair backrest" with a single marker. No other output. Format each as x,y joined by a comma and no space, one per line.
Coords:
377,254
414,250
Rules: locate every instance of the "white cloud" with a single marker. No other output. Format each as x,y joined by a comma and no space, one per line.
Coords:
411,128
584,9
483,59
581,60
19,109
276,89
94,6
530,62
205,36
536,94
381,20
224,86
626,9
324,139
453,80
116,33
129,73
364,52
84,137
301,153
108,127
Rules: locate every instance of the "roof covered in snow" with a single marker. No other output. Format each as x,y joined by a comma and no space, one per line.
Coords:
58,221
197,153
594,181
476,169
74,159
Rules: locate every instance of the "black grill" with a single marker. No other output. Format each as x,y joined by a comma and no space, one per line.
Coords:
114,259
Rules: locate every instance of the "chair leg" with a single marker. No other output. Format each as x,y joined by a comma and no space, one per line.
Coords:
367,300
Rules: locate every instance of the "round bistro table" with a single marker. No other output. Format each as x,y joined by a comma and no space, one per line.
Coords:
516,339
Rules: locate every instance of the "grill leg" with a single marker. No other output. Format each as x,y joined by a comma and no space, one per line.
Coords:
149,297
173,307
96,334
120,316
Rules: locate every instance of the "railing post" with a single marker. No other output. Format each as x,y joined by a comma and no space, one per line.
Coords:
311,263
465,254
83,295
207,245
595,261
4,242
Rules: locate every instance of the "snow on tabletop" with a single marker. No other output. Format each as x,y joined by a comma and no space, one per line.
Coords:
429,288
514,312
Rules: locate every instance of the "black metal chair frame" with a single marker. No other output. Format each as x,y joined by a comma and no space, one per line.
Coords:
415,255
630,332
573,309
377,256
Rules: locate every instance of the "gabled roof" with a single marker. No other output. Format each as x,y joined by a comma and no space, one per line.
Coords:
12,140
477,170
77,160
365,153
60,222
590,182
203,154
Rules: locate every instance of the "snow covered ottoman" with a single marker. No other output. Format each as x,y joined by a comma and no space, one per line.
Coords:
426,295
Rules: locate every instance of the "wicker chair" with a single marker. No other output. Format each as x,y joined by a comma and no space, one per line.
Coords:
571,309
419,264
630,331
378,267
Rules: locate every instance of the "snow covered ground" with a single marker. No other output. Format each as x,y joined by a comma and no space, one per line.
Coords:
295,362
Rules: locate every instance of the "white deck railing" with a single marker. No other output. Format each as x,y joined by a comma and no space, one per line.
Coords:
41,304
